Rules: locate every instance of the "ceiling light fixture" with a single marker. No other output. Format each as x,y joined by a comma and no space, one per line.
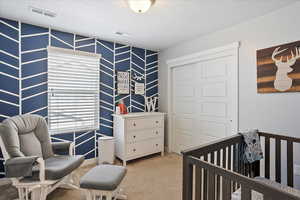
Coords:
140,6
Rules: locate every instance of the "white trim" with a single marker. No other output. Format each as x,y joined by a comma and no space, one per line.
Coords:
152,63
8,37
106,61
122,47
138,56
83,39
203,55
34,34
224,51
9,65
100,43
7,92
85,45
9,54
152,54
34,50
122,60
3,22
123,53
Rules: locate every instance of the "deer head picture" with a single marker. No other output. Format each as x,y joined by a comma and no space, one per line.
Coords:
282,81
278,69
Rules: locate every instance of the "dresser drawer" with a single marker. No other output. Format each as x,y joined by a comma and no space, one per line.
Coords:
144,123
145,147
135,136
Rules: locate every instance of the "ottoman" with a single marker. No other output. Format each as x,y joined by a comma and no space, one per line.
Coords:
103,181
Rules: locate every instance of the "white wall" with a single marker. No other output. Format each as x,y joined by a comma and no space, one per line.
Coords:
277,113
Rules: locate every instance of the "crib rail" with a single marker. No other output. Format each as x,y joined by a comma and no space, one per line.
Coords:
279,140
216,169
229,182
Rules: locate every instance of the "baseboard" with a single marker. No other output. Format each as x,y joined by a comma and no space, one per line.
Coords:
91,161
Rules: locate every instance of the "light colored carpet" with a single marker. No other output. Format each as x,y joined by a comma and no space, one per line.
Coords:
152,178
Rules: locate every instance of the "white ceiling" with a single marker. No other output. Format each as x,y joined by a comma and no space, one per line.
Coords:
167,23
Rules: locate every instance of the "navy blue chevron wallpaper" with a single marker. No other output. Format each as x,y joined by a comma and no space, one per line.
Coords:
23,76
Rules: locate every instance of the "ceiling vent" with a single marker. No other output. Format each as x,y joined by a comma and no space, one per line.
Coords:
119,33
44,12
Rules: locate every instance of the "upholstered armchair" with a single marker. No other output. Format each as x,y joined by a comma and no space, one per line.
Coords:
36,165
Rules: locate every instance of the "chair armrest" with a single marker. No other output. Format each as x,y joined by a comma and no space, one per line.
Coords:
19,166
63,148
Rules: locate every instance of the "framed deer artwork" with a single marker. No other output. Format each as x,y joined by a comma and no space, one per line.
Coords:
278,68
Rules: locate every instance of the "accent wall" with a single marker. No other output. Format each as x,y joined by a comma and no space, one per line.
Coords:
23,76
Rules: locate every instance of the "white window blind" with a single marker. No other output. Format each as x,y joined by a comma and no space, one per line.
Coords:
73,90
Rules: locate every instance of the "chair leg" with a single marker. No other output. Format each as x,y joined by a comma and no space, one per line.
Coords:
20,193
89,195
120,195
44,192
109,197
36,194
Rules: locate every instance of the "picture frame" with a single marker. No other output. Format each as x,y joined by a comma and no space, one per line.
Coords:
123,82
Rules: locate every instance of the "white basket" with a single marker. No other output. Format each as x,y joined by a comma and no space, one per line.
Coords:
106,150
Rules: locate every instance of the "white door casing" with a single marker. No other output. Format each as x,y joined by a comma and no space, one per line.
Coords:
202,97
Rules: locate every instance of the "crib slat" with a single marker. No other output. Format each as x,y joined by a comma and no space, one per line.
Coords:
212,157
278,160
198,183
267,157
245,193
218,177
241,166
224,158
226,189
290,163
205,180
229,158
187,193
234,165
234,158
211,182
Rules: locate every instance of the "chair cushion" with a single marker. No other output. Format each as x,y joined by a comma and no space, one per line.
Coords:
103,177
30,145
28,130
57,167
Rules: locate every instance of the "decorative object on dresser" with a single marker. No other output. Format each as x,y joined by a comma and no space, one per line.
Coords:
138,135
150,103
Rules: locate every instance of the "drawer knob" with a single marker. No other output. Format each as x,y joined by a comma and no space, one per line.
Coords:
156,122
134,124
134,136
156,144
134,150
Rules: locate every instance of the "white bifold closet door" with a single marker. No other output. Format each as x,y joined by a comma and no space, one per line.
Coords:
204,102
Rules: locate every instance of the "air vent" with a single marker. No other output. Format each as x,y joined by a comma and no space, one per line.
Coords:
121,34
42,12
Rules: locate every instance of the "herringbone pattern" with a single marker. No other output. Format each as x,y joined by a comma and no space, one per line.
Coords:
23,76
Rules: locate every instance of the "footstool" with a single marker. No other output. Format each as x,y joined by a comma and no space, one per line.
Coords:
103,180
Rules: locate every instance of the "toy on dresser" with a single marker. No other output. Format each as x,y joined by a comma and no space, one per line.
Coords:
121,108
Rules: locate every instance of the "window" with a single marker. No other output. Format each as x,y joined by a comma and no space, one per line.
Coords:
73,90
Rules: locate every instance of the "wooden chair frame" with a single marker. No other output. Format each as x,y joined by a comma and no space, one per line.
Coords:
39,189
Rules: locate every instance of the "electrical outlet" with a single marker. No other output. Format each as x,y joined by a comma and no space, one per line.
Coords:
297,170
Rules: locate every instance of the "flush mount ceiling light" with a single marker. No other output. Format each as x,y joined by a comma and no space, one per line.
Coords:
140,6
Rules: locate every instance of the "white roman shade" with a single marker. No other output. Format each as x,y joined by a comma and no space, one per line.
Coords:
73,90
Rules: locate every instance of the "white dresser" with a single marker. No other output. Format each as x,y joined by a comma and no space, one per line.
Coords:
138,135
